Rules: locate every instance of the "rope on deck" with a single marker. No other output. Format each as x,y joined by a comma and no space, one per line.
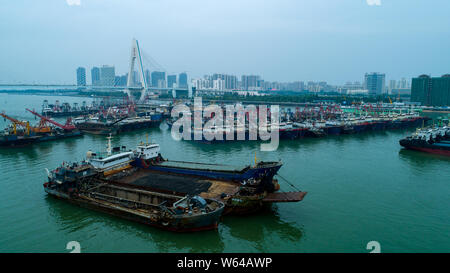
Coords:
289,183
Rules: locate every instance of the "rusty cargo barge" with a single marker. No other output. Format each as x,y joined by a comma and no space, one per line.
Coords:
238,199
113,183
80,185
243,190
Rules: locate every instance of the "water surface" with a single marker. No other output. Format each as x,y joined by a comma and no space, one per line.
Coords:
360,188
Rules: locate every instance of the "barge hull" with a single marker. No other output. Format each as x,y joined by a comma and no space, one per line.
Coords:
192,224
208,171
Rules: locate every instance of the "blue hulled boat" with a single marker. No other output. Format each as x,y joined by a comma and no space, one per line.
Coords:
149,157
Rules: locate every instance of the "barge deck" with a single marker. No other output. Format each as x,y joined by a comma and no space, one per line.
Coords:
238,199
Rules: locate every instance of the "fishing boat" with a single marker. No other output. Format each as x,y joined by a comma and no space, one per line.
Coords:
429,140
95,126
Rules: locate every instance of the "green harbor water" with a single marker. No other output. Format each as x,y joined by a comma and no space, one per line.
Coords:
360,188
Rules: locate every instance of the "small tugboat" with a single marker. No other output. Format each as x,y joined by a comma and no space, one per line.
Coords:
430,140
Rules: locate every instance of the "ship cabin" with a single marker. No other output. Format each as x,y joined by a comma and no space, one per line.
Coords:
147,151
111,160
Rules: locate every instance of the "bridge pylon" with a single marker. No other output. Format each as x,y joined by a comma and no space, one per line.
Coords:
135,58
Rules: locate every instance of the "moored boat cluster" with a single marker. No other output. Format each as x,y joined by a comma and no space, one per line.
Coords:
141,185
434,139
301,128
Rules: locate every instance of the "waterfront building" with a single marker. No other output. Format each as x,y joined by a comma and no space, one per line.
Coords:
357,92
230,82
403,84
297,86
158,78
81,76
201,84
121,80
182,80
171,80
351,88
392,85
431,91
95,75
375,83
147,77
400,91
107,75
161,83
317,86
250,82
135,79
219,84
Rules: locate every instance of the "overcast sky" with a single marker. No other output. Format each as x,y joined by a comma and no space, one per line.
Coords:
282,40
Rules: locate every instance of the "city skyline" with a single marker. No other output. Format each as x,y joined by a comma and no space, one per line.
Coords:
295,43
219,81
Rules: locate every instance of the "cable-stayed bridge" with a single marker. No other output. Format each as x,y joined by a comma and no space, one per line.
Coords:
136,59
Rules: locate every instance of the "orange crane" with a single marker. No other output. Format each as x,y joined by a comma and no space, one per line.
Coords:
68,126
42,128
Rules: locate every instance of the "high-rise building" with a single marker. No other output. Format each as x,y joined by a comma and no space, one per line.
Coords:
95,75
147,77
219,84
158,77
403,84
231,82
107,75
161,84
392,85
135,80
295,86
81,76
171,80
182,80
121,80
431,91
251,82
375,83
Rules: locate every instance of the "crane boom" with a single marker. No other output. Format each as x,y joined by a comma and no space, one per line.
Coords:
68,127
41,129
13,120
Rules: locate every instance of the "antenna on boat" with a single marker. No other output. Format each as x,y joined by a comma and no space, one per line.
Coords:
109,149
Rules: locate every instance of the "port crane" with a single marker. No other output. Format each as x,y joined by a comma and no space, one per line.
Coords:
68,126
42,128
